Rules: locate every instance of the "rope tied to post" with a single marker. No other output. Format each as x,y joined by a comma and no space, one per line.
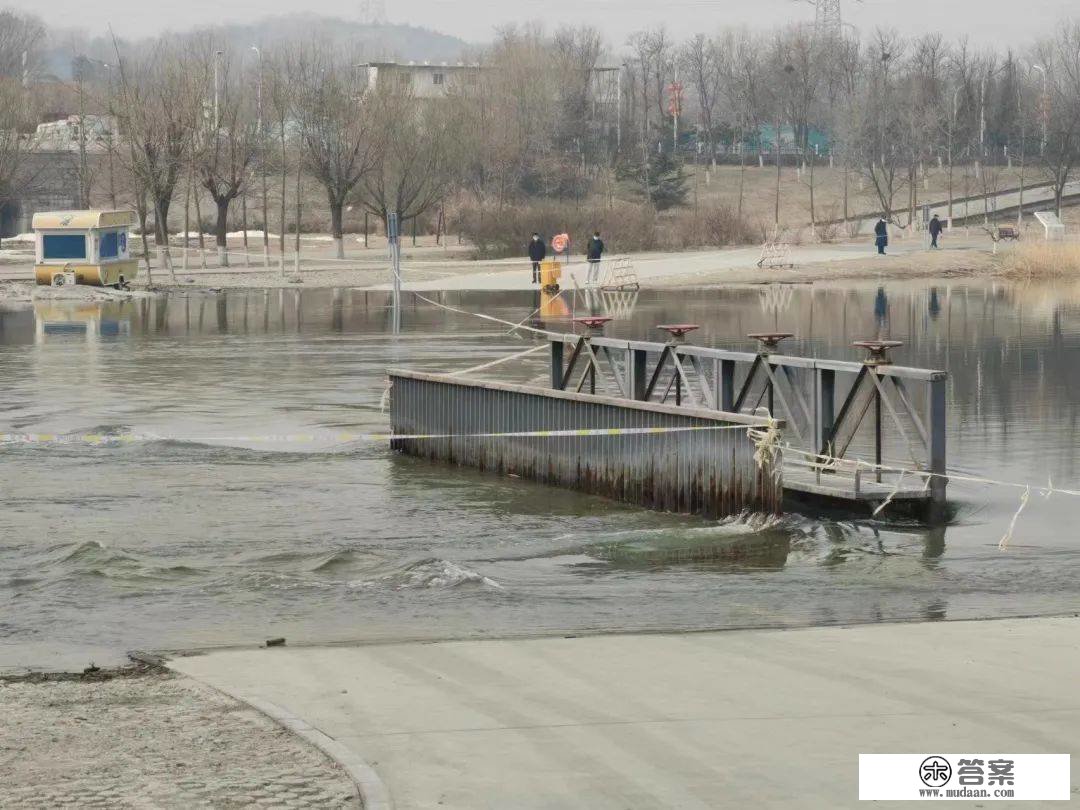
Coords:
768,448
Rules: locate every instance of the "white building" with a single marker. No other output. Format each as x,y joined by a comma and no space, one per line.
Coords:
422,79
65,135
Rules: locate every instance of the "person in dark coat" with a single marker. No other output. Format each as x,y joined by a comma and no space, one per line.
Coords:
593,253
881,234
935,230
537,253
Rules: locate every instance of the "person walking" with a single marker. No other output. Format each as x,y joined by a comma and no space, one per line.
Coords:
594,252
537,253
881,234
935,230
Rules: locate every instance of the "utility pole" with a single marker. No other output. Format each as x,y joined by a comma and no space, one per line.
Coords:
217,103
1044,104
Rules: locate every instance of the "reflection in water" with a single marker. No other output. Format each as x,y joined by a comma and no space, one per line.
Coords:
92,319
168,543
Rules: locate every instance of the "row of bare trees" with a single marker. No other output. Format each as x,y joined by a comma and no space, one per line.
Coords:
547,115
882,109
194,115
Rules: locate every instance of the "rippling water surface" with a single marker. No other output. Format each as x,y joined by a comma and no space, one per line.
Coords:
199,533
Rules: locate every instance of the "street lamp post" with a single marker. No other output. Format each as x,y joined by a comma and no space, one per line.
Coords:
1044,103
217,71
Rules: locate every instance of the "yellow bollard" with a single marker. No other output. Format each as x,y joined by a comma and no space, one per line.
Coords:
550,273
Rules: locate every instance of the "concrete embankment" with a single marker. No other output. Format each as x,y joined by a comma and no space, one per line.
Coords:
763,719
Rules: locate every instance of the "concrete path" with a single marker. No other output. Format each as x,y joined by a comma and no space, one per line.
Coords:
761,719
651,267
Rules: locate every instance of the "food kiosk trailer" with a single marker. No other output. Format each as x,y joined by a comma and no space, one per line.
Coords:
84,247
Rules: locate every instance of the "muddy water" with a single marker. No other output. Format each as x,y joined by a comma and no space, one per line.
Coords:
200,532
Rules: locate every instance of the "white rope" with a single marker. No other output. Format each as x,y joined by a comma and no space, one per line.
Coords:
449,308
533,350
888,500
951,476
1003,544
767,445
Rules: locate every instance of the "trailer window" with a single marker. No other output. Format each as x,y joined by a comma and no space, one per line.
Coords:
110,245
63,246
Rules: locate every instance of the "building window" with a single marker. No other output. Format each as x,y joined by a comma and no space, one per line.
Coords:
63,246
437,78
110,245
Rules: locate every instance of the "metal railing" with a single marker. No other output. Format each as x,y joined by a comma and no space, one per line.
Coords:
872,419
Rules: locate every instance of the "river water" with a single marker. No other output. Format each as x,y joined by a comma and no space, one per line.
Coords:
209,534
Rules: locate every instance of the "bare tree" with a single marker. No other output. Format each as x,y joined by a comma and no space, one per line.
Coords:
227,141
282,106
744,96
703,61
341,146
1061,56
157,113
419,163
22,45
877,130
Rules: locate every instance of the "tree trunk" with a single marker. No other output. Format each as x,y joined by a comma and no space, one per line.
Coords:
284,170
742,178
161,220
198,224
221,228
335,228
161,238
187,225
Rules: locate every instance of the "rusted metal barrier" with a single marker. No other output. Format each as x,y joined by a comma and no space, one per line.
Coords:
710,472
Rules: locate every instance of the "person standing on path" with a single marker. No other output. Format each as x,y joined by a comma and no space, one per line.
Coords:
935,230
594,252
537,253
881,234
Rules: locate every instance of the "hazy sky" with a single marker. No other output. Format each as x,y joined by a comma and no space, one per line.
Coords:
999,22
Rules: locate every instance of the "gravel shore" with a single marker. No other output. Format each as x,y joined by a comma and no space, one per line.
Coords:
153,741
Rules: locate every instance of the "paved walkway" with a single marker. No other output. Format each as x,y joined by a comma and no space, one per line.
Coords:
762,719
651,267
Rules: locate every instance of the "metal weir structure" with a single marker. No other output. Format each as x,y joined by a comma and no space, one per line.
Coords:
857,432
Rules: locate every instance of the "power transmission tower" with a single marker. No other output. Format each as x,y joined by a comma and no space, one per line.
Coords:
828,23
827,20
373,12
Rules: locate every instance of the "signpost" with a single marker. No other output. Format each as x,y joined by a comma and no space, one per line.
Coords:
395,267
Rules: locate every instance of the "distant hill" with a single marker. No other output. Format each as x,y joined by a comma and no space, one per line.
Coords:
370,42
405,42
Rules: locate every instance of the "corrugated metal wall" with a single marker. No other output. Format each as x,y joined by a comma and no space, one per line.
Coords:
711,473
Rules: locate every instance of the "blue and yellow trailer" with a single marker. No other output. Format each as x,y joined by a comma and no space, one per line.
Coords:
84,247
